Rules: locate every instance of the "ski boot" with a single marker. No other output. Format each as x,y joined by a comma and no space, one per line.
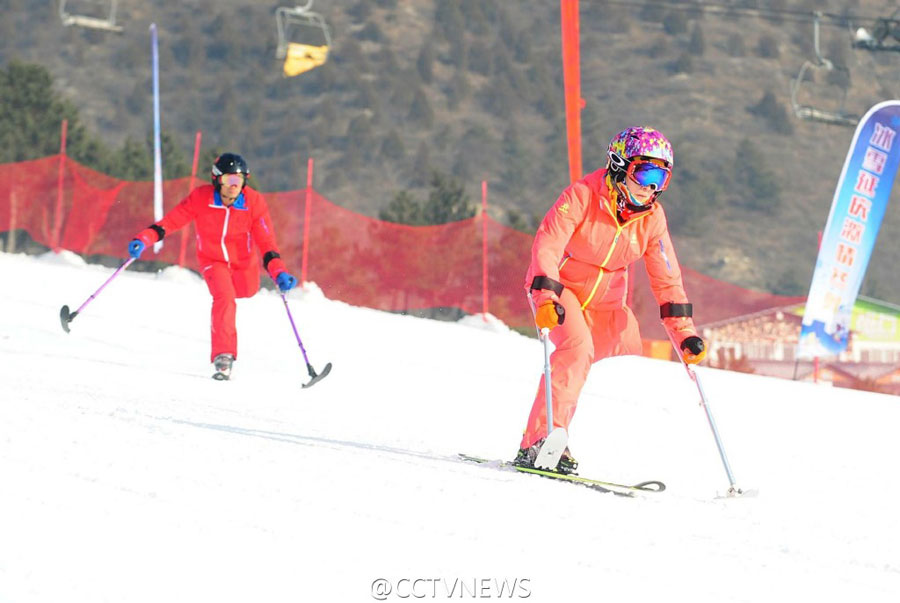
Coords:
549,454
222,364
526,457
567,463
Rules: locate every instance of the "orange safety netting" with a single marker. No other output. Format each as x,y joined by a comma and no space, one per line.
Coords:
351,257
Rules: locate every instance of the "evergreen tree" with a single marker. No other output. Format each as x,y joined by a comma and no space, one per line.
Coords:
774,113
459,88
449,23
734,46
403,209
421,112
675,23
756,187
516,162
425,62
767,47
697,44
422,165
447,201
31,115
519,221
392,146
683,64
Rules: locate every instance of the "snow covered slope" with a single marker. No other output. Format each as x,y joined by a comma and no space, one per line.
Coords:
128,475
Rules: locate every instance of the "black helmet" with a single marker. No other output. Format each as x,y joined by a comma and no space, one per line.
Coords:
229,163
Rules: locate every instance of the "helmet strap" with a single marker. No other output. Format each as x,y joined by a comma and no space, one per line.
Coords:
626,204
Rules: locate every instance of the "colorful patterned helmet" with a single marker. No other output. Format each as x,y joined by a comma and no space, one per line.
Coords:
638,142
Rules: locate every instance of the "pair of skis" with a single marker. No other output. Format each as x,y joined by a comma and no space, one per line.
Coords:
547,460
66,316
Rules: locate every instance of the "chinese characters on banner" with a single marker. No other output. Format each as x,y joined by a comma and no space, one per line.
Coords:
860,201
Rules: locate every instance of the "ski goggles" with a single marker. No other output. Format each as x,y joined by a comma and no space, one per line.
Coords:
231,179
649,172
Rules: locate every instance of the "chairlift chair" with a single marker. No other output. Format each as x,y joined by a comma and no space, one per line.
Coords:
877,39
104,17
808,112
300,25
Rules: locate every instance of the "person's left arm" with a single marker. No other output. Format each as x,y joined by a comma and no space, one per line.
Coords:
667,284
263,233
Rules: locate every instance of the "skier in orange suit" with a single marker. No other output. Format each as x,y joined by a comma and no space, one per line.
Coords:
577,281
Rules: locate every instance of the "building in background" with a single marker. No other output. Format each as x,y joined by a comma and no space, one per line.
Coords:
765,343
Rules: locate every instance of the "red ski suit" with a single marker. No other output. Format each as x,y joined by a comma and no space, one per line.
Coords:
227,239
581,245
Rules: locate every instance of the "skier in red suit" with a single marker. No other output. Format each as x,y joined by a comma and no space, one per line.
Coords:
231,220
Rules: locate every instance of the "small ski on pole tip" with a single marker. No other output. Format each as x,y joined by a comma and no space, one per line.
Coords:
65,317
316,377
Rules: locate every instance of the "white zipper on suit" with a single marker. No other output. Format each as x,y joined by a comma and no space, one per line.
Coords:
224,232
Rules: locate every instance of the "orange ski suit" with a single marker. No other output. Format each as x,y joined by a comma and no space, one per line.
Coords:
584,251
227,241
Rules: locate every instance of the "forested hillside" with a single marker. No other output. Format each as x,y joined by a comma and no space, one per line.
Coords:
425,95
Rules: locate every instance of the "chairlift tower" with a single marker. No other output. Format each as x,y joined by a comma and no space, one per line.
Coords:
300,25
809,112
103,17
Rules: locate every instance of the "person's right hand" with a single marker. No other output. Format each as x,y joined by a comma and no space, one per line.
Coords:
136,248
550,314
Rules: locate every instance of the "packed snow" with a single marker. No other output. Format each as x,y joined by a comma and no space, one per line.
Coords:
127,474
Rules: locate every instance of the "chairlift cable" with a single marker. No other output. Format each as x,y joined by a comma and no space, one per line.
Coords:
833,19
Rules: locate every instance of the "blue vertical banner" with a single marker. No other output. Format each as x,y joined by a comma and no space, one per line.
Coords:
860,201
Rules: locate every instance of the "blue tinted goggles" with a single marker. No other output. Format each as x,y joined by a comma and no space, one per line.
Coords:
648,173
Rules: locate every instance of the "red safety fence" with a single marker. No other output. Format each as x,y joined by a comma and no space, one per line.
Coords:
351,257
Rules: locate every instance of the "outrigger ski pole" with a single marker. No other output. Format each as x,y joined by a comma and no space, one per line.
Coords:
544,336
316,377
733,489
548,390
65,316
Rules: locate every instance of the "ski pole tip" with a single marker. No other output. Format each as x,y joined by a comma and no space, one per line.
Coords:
65,318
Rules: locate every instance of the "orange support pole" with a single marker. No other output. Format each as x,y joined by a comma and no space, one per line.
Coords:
572,84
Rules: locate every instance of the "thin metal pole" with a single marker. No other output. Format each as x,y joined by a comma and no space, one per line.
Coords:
733,489
712,425
118,271
293,326
548,390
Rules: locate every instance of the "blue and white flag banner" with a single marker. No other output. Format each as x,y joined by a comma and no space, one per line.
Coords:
860,201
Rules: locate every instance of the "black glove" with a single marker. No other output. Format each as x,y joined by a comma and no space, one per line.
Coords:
693,350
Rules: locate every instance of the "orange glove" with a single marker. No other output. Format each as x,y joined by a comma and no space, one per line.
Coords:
550,314
693,350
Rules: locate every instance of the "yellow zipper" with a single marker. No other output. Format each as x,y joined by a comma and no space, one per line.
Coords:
619,229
